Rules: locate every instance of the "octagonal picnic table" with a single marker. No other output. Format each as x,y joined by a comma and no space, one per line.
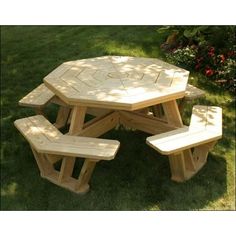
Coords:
123,88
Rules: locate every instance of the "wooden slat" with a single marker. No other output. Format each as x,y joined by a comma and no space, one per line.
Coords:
214,119
172,114
193,92
181,141
145,123
32,133
39,97
205,126
100,125
77,119
198,118
41,136
97,111
165,78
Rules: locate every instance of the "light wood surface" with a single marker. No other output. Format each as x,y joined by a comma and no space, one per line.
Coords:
114,82
45,138
39,97
204,130
49,144
193,92
205,126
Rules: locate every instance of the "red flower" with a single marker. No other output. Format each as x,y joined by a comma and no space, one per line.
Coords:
197,66
211,52
222,58
212,49
209,72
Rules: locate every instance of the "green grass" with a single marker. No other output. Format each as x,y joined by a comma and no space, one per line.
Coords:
139,177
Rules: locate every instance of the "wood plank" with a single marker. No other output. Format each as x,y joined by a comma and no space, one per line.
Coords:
100,125
32,133
45,128
214,119
181,141
77,119
98,111
144,122
165,78
62,117
39,97
64,144
59,102
77,122
193,92
172,114
85,175
177,167
198,118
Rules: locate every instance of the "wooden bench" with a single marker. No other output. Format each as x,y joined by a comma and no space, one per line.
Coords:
41,96
37,99
48,143
204,130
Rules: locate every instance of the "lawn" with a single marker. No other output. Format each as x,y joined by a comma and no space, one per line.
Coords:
139,177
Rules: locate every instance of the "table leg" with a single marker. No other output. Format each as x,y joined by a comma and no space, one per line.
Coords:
172,113
76,125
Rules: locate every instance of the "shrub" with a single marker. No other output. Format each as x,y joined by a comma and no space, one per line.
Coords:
211,50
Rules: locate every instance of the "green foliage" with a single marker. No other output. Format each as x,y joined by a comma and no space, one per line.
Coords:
184,57
210,50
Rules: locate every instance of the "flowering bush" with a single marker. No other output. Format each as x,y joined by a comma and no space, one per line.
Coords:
209,50
185,57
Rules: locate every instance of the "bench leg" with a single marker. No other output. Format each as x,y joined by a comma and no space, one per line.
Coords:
177,167
200,154
67,167
185,165
82,185
45,167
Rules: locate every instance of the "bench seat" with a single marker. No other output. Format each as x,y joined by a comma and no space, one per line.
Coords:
193,92
204,130
45,138
38,98
48,143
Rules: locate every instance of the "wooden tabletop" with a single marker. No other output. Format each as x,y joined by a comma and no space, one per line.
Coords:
117,82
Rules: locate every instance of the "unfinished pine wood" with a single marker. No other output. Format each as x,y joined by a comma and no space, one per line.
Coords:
172,114
37,98
122,83
85,175
100,125
77,119
49,145
77,122
45,138
98,112
145,123
177,167
193,92
205,129
62,117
